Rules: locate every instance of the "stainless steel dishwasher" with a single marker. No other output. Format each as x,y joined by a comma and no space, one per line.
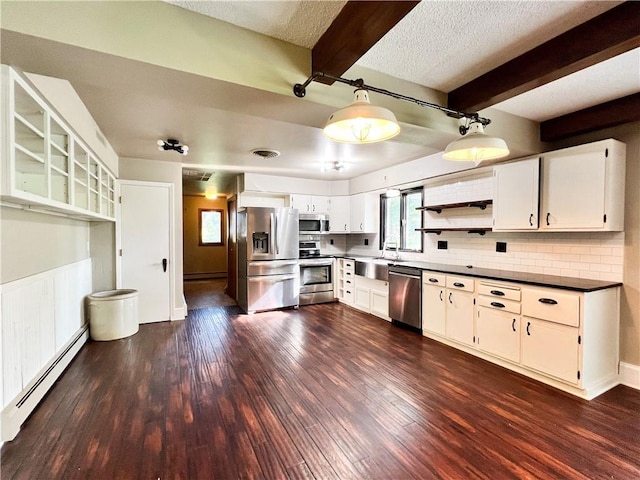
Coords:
405,295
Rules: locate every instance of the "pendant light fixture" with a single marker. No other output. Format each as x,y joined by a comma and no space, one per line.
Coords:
362,122
476,146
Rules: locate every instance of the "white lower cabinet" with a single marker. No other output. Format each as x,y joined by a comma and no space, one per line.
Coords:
459,305
498,333
567,339
345,280
372,296
433,308
551,348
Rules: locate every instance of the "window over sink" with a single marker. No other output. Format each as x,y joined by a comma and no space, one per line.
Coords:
399,219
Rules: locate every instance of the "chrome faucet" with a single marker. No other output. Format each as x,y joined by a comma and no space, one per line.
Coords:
385,244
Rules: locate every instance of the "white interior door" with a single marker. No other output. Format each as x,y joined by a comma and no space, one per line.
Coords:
145,243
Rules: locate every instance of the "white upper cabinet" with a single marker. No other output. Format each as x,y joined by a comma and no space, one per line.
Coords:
515,197
362,213
580,189
310,204
44,163
339,214
583,188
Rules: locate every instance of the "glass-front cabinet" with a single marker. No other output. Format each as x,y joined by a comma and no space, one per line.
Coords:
44,163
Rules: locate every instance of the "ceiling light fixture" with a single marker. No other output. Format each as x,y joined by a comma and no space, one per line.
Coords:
336,166
173,144
476,146
356,120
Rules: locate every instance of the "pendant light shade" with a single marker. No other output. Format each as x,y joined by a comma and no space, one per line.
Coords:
476,146
361,122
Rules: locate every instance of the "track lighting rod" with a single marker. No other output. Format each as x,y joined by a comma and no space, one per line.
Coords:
300,90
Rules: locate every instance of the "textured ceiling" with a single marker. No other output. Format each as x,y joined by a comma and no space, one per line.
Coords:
300,23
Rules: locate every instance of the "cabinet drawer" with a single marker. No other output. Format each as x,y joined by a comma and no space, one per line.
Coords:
430,278
460,283
349,266
552,305
499,304
507,292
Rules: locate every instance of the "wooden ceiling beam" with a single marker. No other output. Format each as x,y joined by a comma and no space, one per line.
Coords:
358,27
609,114
605,36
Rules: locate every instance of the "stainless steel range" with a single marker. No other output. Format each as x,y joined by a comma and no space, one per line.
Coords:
316,272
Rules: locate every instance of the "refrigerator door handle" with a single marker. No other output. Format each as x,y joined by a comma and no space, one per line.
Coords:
277,239
272,233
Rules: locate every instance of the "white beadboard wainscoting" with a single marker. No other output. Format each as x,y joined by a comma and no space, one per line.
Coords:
43,327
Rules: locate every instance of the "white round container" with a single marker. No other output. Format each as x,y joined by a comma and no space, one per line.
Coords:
113,314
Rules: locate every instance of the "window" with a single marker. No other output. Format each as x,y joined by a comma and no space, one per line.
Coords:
399,220
210,227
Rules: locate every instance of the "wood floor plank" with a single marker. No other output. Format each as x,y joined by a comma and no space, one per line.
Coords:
320,392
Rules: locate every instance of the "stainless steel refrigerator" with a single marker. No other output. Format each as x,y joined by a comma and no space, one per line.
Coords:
268,271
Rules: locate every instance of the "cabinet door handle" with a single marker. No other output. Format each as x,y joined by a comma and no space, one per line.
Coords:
440,295
548,301
313,208
433,280
497,304
348,281
531,220
513,325
164,264
450,301
458,284
528,325
497,293
548,214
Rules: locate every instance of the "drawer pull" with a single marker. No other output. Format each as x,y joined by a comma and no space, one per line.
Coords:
458,284
433,280
497,293
528,325
497,304
513,325
348,291
548,301
348,281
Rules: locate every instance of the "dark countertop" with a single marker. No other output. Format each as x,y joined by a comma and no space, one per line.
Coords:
552,281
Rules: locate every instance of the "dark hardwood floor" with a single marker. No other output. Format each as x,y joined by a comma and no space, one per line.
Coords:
321,392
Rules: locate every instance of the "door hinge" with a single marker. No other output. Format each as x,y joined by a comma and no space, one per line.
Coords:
120,252
579,340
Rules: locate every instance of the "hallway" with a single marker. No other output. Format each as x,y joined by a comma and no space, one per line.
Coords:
207,293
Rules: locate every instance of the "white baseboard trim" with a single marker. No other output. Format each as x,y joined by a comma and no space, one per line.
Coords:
630,375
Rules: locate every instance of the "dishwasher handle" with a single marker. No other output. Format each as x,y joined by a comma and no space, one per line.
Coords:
404,275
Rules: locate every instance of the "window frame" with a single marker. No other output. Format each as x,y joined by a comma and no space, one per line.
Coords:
201,243
403,219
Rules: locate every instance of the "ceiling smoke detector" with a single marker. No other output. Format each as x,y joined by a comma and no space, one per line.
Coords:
265,153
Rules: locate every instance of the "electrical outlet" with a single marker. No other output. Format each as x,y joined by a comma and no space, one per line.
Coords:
501,247
443,244
331,241
366,241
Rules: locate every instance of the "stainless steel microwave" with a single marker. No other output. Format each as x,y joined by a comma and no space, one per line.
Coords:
313,224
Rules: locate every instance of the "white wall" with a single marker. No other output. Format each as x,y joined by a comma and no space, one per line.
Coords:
33,242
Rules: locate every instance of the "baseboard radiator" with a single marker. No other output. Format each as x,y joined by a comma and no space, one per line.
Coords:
43,328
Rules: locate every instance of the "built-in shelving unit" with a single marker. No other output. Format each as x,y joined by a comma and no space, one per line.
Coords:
45,165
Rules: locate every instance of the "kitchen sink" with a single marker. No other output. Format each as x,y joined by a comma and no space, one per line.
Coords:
374,268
